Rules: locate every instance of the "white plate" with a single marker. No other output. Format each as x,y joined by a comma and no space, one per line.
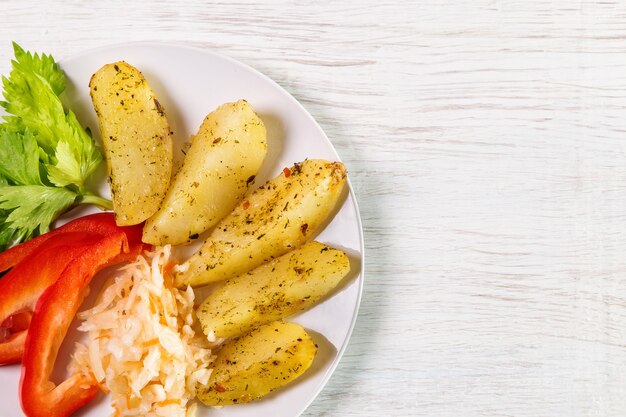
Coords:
191,82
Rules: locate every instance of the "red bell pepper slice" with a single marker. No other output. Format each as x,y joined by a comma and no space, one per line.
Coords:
13,336
101,223
40,268
22,286
52,317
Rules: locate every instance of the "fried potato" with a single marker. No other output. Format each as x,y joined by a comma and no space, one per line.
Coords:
254,365
136,138
278,289
221,163
274,219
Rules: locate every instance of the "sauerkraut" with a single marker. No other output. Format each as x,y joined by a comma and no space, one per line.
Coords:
142,347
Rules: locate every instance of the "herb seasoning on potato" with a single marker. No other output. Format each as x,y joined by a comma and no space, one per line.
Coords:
278,289
224,157
137,141
274,219
256,364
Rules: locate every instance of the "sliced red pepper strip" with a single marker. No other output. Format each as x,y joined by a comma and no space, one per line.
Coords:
18,321
101,223
52,317
22,286
13,342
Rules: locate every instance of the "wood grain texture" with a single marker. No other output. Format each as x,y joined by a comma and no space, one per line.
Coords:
486,142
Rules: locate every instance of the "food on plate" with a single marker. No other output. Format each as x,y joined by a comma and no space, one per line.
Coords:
46,156
145,343
39,268
280,288
256,364
137,141
272,220
23,285
224,157
141,343
55,310
101,223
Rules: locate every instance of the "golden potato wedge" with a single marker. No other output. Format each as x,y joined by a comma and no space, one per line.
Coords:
221,163
254,365
136,138
278,289
279,216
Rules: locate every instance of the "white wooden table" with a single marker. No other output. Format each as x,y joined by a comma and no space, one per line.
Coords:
486,141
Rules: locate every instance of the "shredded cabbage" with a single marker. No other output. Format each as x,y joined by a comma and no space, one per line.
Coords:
142,346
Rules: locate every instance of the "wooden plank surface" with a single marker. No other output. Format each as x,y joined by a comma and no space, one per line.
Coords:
486,142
